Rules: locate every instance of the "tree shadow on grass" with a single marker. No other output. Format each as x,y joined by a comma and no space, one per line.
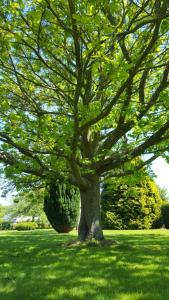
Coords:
43,265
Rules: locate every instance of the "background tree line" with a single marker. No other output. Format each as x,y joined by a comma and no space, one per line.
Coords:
134,202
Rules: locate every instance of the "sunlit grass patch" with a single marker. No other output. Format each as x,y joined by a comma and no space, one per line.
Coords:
133,265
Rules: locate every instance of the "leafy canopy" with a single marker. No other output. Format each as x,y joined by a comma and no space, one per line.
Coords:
84,87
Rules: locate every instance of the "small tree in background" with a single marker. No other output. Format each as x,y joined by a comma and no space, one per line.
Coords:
165,215
61,206
29,203
4,223
164,194
1,212
131,203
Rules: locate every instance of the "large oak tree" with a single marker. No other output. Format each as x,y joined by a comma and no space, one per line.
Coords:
84,91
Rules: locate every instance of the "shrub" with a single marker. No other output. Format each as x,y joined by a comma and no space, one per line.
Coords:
26,226
112,220
6,225
61,205
165,215
43,224
130,205
158,223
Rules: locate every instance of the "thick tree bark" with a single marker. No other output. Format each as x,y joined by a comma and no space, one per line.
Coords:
90,218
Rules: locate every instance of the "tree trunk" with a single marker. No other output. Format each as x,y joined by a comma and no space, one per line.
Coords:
90,218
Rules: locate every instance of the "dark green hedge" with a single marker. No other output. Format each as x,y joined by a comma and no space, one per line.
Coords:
165,215
61,205
6,225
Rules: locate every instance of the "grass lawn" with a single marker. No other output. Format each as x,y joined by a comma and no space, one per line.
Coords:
41,265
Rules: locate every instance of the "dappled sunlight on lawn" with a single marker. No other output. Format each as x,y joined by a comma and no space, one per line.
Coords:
43,265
